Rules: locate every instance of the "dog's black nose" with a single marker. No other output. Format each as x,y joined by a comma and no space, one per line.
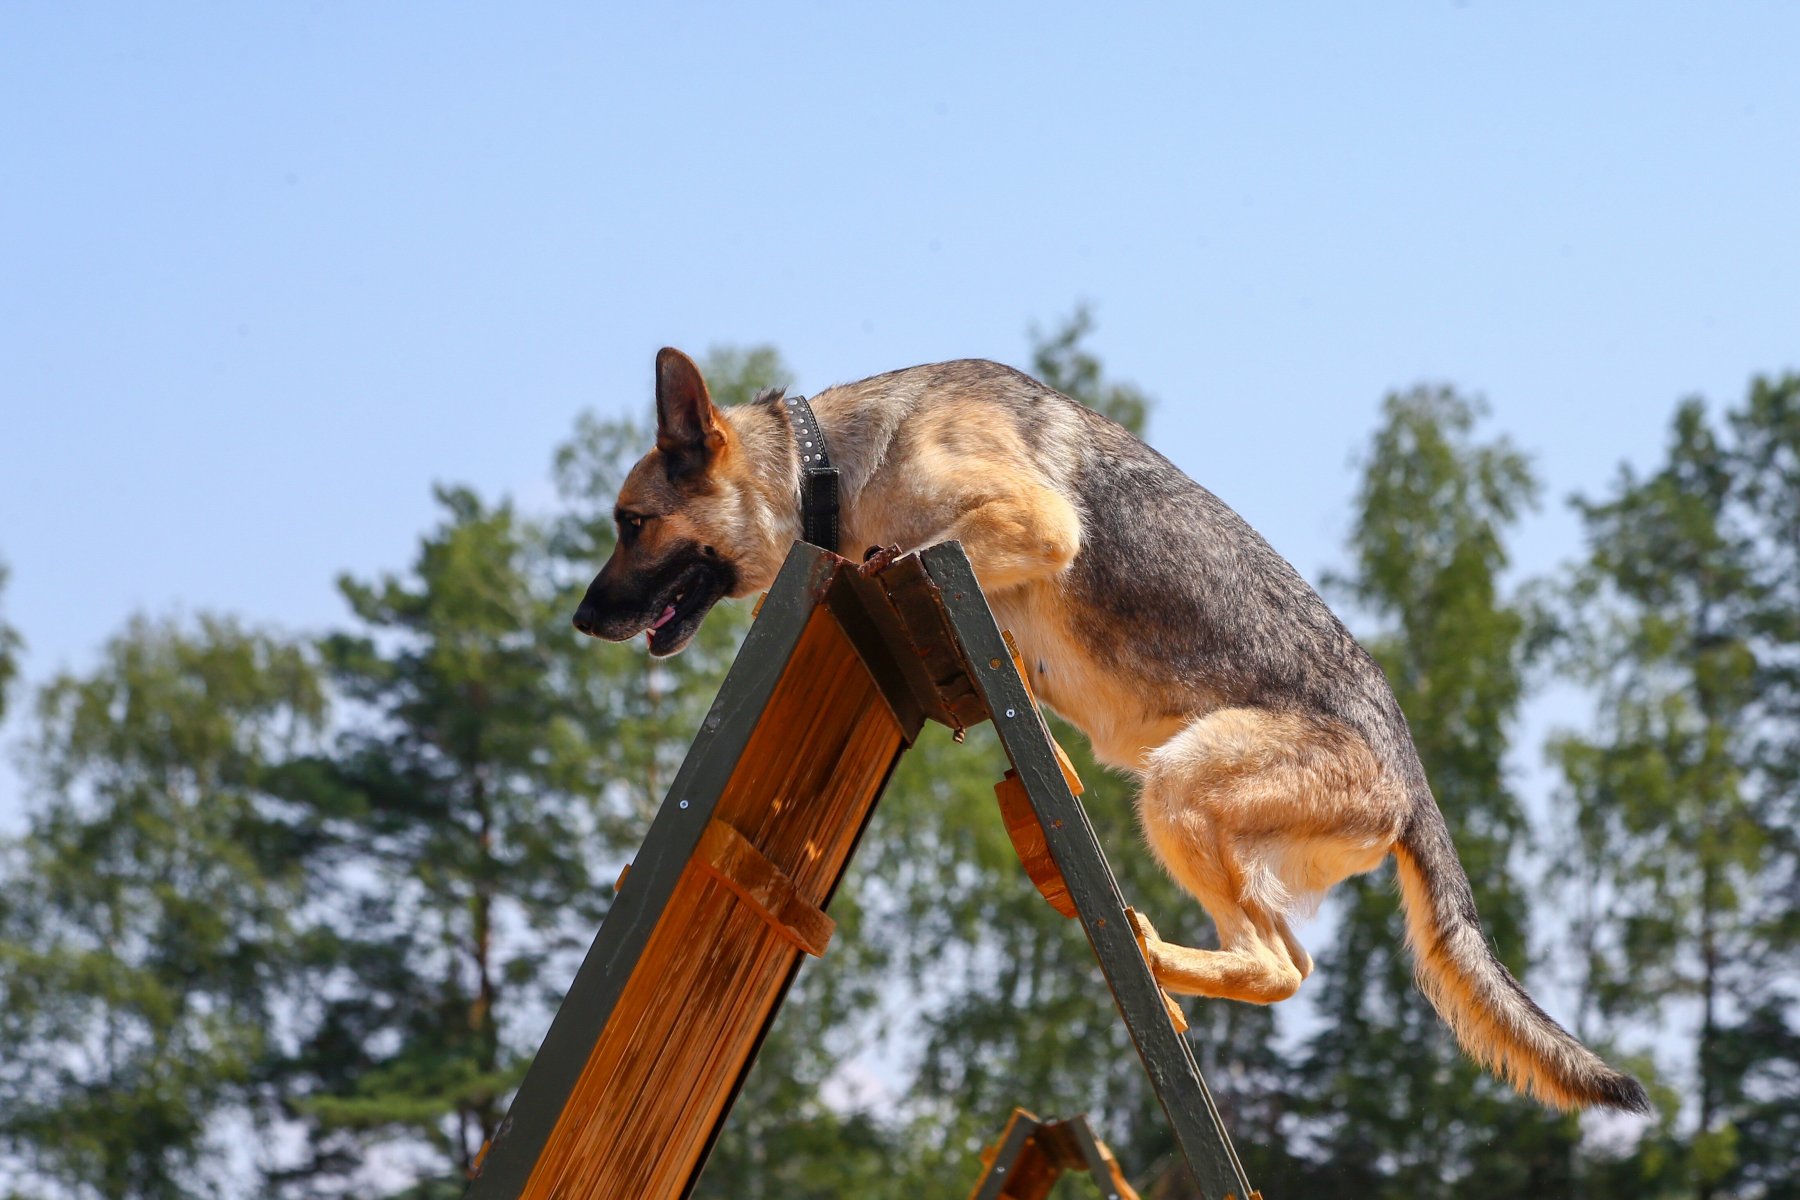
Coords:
585,620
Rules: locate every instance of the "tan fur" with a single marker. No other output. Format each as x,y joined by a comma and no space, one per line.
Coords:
732,505
1494,1023
1256,813
1255,808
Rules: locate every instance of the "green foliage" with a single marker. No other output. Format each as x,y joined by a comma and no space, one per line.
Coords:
1761,1049
230,916
500,772
1681,799
150,918
1061,359
10,645
1396,1109
442,810
735,375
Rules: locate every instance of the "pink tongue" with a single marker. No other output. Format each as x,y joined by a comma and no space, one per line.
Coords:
668,614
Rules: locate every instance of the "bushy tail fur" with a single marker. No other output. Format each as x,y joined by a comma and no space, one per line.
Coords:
1497,1023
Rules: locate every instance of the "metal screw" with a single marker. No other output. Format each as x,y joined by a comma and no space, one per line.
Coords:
684,804
1009,712
994,663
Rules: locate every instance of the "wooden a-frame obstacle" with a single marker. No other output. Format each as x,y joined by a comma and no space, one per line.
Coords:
728,894
1031,1156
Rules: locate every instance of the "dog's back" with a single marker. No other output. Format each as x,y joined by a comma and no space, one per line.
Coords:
1273,758
1170,587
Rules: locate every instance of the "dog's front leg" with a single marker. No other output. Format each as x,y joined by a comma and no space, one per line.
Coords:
1026,535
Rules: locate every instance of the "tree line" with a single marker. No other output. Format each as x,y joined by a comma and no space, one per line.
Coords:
289,914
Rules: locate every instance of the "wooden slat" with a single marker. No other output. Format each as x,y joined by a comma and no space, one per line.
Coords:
1093,1156
759,883
1030,844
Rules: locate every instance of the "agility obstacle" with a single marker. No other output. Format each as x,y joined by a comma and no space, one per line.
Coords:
1032,1155
728,895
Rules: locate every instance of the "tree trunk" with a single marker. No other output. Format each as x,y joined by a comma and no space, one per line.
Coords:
481,1013
1709,957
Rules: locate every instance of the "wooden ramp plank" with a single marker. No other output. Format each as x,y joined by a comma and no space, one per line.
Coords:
698,999
1011,1168
728,894
725,899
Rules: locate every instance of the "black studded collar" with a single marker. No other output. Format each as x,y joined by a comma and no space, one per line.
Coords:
818,478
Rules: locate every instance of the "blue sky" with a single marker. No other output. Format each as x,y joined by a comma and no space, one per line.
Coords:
267,272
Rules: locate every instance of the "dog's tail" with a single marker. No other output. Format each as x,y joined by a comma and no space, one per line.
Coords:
1497,1023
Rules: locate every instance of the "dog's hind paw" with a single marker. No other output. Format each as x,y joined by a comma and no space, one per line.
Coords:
1147,936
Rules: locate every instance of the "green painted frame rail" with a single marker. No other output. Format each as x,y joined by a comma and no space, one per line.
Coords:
924,631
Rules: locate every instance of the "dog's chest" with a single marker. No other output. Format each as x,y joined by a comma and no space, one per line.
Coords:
1068,678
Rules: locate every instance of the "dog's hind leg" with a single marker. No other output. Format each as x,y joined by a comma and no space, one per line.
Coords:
1245,808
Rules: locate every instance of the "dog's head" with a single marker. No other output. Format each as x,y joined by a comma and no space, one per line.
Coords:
691,525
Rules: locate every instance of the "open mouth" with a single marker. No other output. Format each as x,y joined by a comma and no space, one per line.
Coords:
693,595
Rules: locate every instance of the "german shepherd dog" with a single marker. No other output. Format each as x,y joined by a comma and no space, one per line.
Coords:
1273,759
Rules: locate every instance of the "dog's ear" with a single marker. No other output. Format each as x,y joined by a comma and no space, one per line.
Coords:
689,430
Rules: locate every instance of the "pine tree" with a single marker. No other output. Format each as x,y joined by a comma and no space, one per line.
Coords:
464,806
499,772
1395,1109
148,922
10,645
1762,1049
1681,799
